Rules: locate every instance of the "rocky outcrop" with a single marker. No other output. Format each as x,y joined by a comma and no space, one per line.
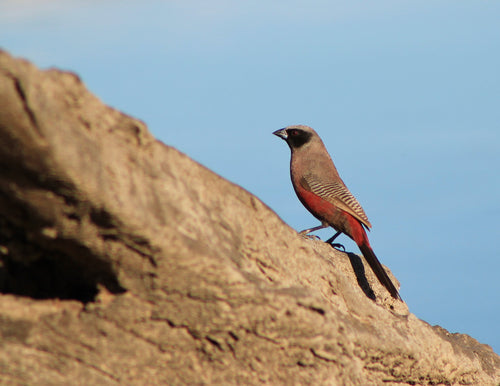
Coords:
123,261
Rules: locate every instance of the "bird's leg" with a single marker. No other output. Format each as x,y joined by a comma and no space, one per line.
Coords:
329,241
306,231
335,245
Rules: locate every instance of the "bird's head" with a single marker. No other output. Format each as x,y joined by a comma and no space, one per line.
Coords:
297,136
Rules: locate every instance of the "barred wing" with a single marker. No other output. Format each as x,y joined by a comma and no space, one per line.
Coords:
338,194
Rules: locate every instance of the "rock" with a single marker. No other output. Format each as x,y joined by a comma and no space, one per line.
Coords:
123,261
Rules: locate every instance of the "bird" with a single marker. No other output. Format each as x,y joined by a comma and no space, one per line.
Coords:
320,189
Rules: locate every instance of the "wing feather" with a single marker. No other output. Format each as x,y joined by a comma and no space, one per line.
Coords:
338,194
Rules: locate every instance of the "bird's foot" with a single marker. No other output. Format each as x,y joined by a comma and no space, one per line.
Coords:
337,246
310,237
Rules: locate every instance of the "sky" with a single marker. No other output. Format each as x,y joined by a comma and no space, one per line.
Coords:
405,95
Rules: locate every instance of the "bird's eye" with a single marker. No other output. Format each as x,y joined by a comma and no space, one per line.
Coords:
294,132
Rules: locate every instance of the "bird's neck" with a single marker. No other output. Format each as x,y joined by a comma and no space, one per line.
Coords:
317,162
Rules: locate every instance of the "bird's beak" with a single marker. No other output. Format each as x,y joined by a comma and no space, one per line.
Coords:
281,133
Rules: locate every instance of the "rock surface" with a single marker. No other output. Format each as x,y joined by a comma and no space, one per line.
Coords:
123,261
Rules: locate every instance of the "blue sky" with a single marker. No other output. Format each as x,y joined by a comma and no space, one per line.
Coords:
405,94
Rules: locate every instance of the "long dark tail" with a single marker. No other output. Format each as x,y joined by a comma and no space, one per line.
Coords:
378,270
